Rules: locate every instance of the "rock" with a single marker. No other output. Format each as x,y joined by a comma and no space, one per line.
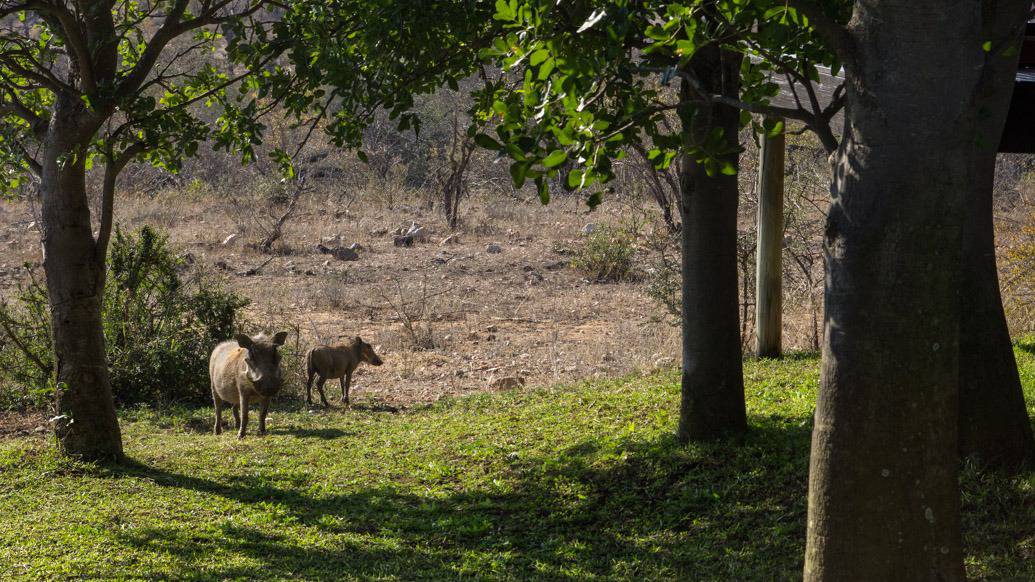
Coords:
230,239
222,265
334,240
534,278
664,363
379,232
418,234
453,239
439,261
493,249
345,254
340,253
507,383
491,328
590,228
556,265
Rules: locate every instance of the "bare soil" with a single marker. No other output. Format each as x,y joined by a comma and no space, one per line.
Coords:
480,317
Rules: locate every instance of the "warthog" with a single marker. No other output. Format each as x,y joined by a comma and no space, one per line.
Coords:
336,361
245,369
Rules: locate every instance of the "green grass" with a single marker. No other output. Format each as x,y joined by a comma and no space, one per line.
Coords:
581,482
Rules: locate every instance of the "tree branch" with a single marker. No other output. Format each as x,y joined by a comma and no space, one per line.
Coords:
112,167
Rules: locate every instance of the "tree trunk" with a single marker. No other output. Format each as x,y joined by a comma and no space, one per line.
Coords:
87,427
883,483
713,381
994,425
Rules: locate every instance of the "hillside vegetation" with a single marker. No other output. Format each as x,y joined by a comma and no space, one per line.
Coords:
575,482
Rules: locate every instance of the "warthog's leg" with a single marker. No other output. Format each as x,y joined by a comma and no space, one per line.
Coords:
309,389
217,402
237,415
264,407
319,388
244,416
346,382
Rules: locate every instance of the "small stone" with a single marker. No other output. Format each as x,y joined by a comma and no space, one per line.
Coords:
493,249
590,228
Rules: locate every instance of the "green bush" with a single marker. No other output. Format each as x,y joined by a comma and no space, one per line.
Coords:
607,254
159,326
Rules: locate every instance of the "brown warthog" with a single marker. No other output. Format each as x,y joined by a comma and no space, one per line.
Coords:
245,369
336,361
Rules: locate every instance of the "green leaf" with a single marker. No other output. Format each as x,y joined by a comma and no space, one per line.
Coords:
538,57
487,142
544,190
518,173
556,158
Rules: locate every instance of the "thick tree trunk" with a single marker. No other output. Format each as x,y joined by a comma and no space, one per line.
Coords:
87,427
713,381
883,483
994,425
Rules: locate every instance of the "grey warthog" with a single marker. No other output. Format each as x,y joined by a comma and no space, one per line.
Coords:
336,361
243,369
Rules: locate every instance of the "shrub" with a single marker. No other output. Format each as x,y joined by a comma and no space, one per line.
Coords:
607,254
159,326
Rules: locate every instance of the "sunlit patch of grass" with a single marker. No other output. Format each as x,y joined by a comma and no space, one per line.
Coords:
578,482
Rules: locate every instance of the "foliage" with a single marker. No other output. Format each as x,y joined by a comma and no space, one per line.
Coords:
596,77
607,254
128,79
345,61
580,482
158,325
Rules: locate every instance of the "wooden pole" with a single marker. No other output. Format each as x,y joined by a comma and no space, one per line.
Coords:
769,273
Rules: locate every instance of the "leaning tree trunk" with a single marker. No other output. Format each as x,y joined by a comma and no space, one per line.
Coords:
87,427
713,381
994,425
883,482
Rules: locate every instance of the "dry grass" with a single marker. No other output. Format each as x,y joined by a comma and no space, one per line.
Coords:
449,318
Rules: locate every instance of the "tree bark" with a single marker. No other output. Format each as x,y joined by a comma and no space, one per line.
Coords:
87,427
713,382
994,426
883,483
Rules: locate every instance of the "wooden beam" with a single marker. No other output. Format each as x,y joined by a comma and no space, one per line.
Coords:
769,271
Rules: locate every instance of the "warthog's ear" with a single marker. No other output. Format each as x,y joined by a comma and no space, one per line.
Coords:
359,340
280,338
244,341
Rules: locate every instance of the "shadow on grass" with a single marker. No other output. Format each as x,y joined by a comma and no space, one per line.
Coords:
311,433
638,508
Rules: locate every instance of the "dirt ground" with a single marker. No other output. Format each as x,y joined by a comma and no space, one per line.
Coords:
478,318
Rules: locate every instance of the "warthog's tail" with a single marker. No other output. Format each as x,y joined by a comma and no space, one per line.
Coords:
309,369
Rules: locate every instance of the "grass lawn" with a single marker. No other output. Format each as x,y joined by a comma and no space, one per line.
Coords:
578,482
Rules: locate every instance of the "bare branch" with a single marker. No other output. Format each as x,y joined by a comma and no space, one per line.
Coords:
112,167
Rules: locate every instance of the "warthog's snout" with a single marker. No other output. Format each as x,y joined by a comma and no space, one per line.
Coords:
376,361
